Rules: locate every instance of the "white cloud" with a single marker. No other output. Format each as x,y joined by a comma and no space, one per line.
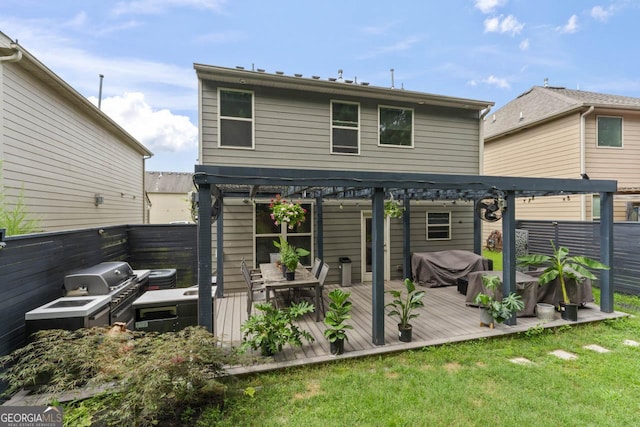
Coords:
600,14
492,80
487,6
158,130
571,26
399,46
524,44
153,7
509,25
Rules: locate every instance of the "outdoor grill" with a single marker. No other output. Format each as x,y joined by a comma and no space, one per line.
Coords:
99,295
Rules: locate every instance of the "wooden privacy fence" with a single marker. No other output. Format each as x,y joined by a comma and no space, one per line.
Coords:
583,238
32,267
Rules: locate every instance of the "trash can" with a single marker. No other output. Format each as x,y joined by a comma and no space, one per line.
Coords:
345,271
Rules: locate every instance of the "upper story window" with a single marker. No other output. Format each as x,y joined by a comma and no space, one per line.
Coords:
438,225
609,131
235,118
345,127
395,126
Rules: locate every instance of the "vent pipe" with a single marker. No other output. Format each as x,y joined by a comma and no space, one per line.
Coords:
100,91
392,82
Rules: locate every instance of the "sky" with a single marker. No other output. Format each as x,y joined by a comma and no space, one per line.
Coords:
488,50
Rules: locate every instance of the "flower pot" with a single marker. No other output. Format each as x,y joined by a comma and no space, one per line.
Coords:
336,347
404,333
290,275
266,351
545,312
569,311
485,318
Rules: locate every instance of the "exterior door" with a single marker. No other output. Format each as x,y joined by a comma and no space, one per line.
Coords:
366,255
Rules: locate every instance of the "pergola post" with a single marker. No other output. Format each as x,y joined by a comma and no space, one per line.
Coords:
477,230
219,248
319,229
606,252
205,308
377,265
509,249
406,237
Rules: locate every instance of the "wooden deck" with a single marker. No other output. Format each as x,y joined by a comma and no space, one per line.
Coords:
444,319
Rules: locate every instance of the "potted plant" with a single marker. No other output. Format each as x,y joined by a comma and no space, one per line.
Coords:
393,209
561,266
403,306
496,310
271,329
290,256
335,319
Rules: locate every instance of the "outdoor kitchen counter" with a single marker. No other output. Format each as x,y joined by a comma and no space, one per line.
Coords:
171,295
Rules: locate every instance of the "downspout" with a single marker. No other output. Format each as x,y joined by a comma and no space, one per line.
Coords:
15,57
583,160
481,140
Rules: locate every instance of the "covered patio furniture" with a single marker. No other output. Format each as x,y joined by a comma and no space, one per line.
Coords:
444,268
526,286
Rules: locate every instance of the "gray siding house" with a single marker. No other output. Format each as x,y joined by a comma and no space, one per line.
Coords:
262,120
74,166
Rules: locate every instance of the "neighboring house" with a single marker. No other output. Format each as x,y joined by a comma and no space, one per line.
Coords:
263,120
75,166
169,195
554,132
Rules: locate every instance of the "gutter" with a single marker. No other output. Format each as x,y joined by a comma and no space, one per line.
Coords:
15,57
483,114
583,160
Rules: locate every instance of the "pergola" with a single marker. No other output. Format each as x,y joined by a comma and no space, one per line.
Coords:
215,183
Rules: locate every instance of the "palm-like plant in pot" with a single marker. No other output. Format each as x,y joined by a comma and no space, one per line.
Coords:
561,266
335,319
403,306
496,310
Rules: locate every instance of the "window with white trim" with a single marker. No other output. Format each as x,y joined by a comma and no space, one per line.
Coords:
266,232
235,117
395,126
345,127
609,131
595,207
438,225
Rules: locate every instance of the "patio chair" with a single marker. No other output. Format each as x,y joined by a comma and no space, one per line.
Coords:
253,272
322,276
315,270
256,290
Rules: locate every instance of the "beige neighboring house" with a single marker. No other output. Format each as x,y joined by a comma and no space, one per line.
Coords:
169,197
554,132
75,166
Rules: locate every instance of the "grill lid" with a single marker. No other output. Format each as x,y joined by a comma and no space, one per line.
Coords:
98,279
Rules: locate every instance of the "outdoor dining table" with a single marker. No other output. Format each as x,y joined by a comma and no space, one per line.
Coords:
274,280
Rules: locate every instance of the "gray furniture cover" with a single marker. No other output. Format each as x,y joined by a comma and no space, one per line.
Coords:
444,268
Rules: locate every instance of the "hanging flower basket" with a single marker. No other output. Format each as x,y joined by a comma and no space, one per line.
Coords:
283,211
393,209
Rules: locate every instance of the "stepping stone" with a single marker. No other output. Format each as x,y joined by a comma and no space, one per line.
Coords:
596,348
521,361
631,343
563,355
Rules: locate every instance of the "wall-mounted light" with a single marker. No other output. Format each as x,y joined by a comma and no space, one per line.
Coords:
98,199
2,233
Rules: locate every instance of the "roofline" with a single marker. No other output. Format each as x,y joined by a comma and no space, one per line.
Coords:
281,81
75,97
545,119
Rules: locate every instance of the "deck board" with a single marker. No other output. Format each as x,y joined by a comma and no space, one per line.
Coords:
444,318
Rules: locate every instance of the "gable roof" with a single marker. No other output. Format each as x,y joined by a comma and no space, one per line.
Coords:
168,182
543,103
335,87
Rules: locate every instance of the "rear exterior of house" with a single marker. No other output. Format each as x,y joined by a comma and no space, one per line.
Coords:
555,132
254,118
73,166
169,197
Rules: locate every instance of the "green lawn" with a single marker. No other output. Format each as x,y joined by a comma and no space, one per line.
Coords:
495,256
466,384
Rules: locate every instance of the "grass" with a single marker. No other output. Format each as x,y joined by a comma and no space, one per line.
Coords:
465,384
495,256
